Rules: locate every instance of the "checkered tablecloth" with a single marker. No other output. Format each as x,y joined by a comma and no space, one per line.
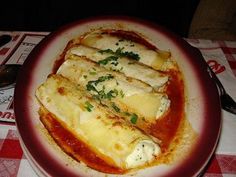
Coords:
220,55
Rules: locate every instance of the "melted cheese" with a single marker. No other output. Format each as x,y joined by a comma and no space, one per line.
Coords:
148,104
124,65
132,95
123,144
158,59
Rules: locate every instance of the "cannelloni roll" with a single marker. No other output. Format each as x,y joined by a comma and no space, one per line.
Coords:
115,141
130,68
104,40
130,97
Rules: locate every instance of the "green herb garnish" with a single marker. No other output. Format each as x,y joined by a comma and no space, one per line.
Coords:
112,59
131,55
133,118
122,94
88,106
101,94
92,73
120,53
126,113
106,51
116,108
91,84
111,94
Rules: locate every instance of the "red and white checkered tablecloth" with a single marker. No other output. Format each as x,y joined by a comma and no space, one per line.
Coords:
220,55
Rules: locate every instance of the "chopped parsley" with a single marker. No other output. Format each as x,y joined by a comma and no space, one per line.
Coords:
130,55
112,94
109,51
92,73
91,87
91,84
101,94
127,114
130,63
122,94
131,44
88,106
116,108
111,59
120,53
133,118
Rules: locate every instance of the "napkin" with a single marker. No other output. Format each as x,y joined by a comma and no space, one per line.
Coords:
221,57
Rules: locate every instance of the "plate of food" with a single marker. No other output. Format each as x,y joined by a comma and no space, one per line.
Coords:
116,96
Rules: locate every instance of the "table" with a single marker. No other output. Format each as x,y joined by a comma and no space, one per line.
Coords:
220,55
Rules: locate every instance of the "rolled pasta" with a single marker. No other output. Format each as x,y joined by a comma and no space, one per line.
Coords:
103,40
114,140
135,99
130,68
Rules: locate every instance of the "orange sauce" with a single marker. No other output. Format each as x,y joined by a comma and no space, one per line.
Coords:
166,127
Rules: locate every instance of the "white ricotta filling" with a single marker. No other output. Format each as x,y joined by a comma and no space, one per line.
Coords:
144,152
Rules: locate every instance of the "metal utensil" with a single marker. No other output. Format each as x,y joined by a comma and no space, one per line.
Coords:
227,102
8,74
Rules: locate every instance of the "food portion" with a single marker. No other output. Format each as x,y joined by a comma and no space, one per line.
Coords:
123,94
133,44
104,133
115,102
119,61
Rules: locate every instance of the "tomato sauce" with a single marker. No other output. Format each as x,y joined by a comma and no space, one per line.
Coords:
166,127
61,58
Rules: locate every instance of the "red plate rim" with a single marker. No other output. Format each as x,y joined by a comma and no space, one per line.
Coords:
212,119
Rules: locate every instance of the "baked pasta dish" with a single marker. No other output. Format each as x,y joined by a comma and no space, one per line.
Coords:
116,102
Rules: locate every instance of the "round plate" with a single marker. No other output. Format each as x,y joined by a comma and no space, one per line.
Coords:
202,104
